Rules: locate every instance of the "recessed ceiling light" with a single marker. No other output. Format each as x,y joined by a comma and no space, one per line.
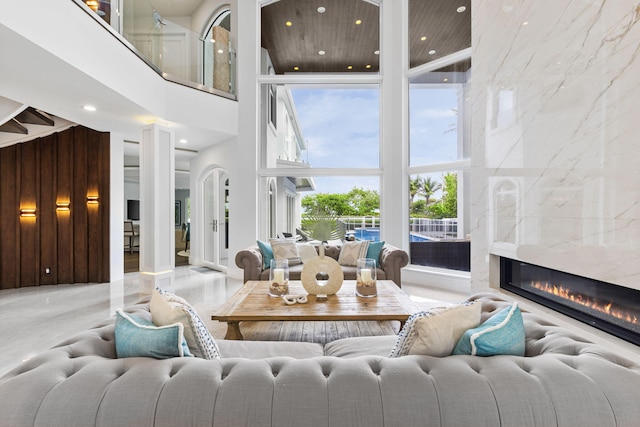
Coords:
288,23
213,40
220,51
183,141
445,79
461,9
296,68
349,67
377,52
321,52
321,9
432,52
89,107
423,38
358,21
525,23
368,66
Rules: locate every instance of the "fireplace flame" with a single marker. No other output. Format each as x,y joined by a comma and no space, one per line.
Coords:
592,303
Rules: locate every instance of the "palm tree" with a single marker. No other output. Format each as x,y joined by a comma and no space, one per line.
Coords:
428,187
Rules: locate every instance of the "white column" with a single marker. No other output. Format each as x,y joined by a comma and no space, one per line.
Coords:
116,203
157,207
243,179
394,209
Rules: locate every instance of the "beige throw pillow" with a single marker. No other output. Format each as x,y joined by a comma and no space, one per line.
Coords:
167,309
351,251
285,249
435,332
307,251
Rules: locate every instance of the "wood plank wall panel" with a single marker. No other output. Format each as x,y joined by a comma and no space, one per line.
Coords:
64,191
94,224
9,226
48,272
105,204
79,206
28,181
74,244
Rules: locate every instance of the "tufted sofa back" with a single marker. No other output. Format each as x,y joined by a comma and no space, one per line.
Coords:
563,381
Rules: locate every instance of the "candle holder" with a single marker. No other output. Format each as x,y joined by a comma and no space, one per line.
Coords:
279,277
366,278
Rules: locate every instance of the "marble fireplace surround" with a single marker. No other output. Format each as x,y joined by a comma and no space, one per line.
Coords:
555,163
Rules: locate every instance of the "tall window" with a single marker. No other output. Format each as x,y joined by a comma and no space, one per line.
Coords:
320,121
439,162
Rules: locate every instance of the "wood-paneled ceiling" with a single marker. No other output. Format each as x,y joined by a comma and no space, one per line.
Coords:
436,29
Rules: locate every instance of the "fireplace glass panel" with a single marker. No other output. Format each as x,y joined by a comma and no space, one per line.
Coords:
606,306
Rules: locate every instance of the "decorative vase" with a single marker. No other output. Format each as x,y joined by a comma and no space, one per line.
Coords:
279,277
366,278
322,276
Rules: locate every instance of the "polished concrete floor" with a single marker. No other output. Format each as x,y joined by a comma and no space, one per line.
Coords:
37,318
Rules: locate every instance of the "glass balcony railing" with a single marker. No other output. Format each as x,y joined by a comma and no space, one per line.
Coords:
175,52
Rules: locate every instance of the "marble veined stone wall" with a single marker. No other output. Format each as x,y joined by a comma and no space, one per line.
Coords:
556,137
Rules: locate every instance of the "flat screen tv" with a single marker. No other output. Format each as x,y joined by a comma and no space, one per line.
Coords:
133,210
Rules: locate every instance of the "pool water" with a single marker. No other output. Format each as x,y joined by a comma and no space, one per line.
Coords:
373,234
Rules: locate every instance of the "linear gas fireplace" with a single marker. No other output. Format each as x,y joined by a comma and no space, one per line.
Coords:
611,308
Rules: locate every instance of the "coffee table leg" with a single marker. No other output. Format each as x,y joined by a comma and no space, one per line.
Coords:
233,331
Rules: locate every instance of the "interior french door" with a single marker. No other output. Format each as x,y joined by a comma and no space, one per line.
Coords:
216,219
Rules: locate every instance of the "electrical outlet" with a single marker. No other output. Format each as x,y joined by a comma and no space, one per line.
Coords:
47,270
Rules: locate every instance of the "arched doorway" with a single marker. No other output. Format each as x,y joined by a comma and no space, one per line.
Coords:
215,216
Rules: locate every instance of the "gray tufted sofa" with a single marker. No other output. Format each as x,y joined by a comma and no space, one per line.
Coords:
391,261
562,381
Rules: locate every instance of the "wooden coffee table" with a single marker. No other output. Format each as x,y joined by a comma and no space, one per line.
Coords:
253,303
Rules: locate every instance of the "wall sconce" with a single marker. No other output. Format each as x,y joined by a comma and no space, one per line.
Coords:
63,206
28,212
92,200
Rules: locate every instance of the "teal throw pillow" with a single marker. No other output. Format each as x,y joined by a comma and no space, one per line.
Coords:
138,337
267,254
374,251
502,333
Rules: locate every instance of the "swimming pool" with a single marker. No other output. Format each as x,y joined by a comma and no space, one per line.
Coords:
373,234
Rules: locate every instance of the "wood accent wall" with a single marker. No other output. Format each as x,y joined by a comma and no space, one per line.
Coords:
73,245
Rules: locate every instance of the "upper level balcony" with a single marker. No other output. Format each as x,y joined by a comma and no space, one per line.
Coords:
161,34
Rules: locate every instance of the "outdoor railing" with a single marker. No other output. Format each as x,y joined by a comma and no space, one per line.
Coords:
446,228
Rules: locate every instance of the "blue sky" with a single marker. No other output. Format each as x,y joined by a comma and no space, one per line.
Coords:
342,130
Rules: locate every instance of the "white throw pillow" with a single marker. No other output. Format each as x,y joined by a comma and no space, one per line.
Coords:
351,251
285,249
167,309
436,332
307,251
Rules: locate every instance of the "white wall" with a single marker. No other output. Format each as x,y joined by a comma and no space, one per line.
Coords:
554,99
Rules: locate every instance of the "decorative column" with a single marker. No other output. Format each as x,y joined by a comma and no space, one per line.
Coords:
157,207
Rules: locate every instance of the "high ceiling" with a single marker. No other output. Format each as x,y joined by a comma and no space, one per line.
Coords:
296,31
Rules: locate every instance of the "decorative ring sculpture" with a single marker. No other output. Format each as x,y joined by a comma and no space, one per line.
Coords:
326,265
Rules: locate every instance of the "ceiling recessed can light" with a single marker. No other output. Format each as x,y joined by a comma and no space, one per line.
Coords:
377,52
321,9
89,107
183,141
349,67
358,21
432,52
288,23
321,52
445,79
296,68
525,23
368,66
461,9
423,38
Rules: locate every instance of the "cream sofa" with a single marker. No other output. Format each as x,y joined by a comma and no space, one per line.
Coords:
390,264
562,381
